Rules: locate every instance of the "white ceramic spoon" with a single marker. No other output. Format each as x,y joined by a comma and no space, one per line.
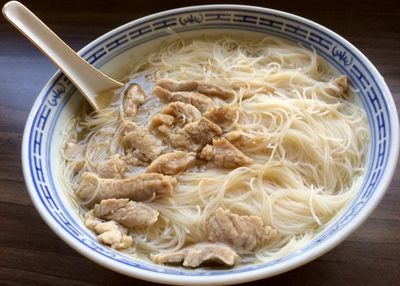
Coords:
90,81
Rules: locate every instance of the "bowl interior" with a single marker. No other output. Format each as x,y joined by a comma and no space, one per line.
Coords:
114,52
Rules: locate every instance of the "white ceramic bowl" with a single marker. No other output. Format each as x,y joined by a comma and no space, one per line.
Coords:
111,53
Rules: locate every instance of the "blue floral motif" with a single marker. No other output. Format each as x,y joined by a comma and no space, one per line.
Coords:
56,94
342,56
191,19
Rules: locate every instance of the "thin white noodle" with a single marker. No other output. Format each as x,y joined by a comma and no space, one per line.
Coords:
307,140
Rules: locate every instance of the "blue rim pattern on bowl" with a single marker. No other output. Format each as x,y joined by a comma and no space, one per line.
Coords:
334,50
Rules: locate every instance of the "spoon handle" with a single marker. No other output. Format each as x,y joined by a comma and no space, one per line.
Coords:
85,77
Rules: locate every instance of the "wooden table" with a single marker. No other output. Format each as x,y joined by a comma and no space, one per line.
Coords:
31,254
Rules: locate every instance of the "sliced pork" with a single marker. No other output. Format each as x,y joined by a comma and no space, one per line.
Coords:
92,189
195,85
199,254
198,100
224,116
141,143
224,155
126,212
109,233
172,163
243,233
111,168
134,96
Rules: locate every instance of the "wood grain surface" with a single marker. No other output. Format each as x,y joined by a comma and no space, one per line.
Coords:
31,254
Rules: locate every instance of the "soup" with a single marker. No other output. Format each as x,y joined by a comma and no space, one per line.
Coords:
243,151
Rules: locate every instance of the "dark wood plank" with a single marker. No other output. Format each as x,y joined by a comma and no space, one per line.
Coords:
30,254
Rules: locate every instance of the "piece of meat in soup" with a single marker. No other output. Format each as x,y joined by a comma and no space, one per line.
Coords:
199,86
244,233
143,187
224,155
200,101
126,212
111,168
195,135
224,116
199,254
141,143
134,96
172,163
109,233
172,117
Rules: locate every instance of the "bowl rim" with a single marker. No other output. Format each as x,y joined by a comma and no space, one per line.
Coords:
229,278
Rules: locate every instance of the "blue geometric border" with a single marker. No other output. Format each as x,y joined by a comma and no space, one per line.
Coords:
331,49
